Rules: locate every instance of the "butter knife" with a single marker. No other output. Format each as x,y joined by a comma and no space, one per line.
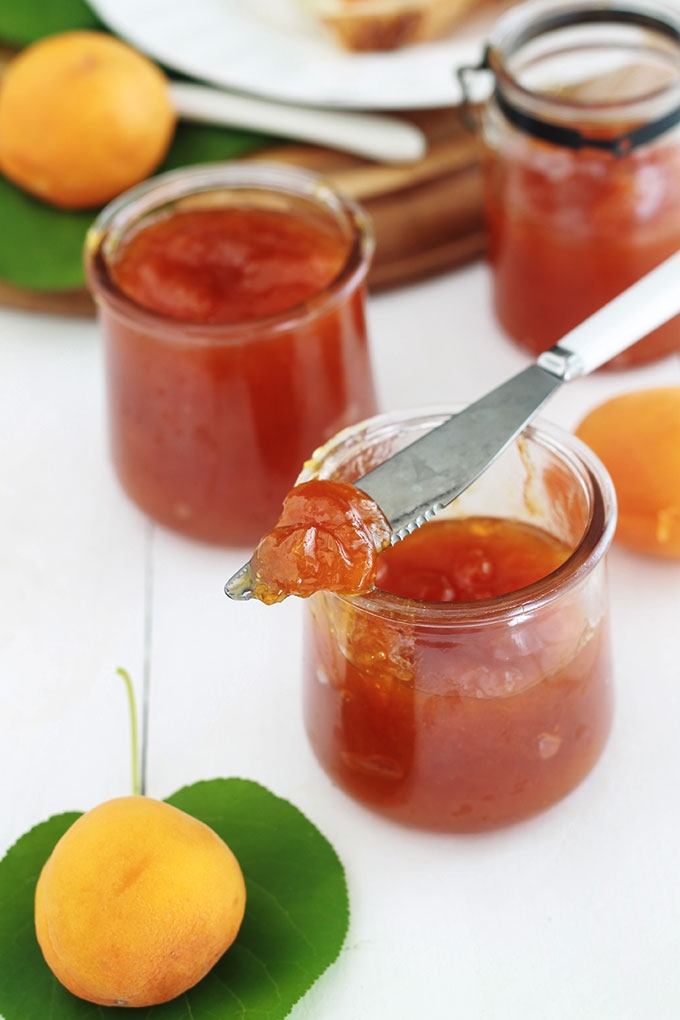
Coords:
414,484
374,136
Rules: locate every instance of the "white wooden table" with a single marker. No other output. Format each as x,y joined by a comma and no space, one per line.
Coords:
574,915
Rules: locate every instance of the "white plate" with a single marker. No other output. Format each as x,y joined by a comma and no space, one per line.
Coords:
274,48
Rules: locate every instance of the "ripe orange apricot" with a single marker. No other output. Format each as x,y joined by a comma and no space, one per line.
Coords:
83,116
637,437
137,902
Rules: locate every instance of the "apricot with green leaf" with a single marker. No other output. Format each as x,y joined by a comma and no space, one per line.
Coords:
137,902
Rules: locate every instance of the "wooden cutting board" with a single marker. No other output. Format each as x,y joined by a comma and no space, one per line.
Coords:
427,215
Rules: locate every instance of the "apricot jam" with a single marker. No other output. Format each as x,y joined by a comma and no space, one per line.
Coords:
581,164
470,559
473,687
328,538
568,231
227,265
516,737
232,303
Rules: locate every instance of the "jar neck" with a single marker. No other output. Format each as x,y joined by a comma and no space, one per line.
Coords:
533,42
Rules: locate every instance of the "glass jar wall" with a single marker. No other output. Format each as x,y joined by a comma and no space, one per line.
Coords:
581,164
468,715
232,304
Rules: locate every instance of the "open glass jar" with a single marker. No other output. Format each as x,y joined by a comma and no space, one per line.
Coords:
232,303
468,715
581,161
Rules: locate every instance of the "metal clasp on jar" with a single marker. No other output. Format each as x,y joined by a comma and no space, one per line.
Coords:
495,61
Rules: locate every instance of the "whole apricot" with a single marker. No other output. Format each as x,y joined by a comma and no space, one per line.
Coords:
637,437
83,117
137,902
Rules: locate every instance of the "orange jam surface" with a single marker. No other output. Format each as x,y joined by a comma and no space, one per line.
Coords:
228,265
208,429
328,537
470,559
458,726
569,230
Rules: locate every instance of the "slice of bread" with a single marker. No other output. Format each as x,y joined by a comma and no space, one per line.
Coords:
365,25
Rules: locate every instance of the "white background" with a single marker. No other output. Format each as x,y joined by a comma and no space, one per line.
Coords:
574,915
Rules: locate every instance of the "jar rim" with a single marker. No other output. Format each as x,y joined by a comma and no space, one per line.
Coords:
163,190
527,22
597,534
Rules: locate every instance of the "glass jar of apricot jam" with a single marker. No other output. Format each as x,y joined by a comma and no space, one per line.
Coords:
581,158
232,303
473,687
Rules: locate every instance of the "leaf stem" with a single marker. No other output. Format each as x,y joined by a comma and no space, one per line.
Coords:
136,788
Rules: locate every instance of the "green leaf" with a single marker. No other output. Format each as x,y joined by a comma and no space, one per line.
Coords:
201,143
41,247
296,917
22,23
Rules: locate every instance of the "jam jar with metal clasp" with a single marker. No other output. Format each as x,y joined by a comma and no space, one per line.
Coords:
581,163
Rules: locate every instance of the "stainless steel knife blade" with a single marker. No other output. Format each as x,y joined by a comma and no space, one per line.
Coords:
418,481
414,484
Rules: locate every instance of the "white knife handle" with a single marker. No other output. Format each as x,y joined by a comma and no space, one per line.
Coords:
372,135
649,303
